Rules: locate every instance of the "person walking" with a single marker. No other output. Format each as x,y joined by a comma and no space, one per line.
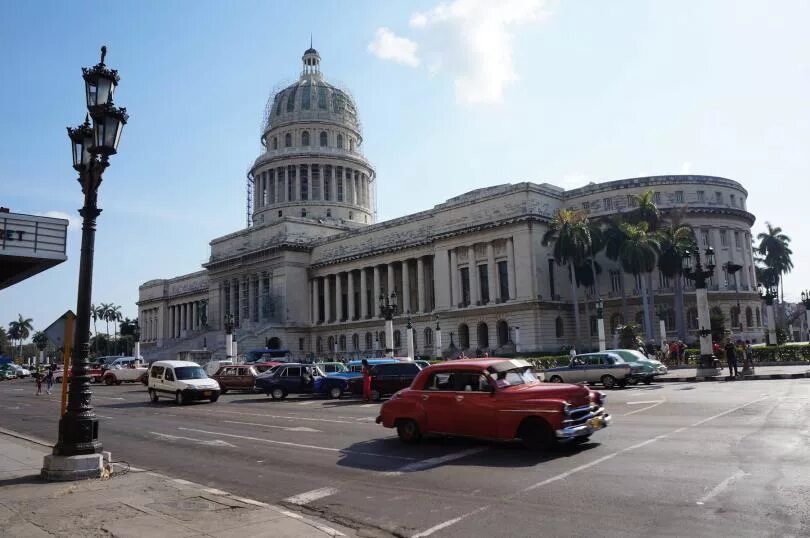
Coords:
366,381
49,379
731,357
38,377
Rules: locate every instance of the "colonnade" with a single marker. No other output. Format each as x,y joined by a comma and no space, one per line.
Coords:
184,317
247,298
148,322
317,182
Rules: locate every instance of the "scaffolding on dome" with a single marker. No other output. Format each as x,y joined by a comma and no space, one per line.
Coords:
249,203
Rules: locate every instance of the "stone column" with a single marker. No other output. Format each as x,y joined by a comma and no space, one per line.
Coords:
455,295
350,288
338,298
262,298
327,305
195,312
250,289
420,284
234,298
313,289
364,294
491,269
441,282
406,288
183,318
377,289
391,281
510,258
170,315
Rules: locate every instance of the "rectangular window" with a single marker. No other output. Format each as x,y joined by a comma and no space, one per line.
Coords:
464,274
316,182
291,184
280,189
326,183
616,281
551,289
305,98
678,197
304,183
631,200
733,201
271,191
483,282
737,242
322,97
723,238
340,189
586,206
718,197
704,235
503,280
701,196
608,203
657,198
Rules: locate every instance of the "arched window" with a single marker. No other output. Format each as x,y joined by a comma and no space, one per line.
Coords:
502,328
368,341
428,337
287,140
318,344
615,321
331,342
559,328
305,138
640,320
351,144
343,342
749,317
759,318
397,340
735,316
483,336
340,141
323,139
275,142
692,319
381,339
463,336
355,342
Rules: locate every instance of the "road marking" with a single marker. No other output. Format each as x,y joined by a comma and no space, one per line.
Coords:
287,428
368,405
719,488
310,496
107,397
291,417
644,408
323,528
215,442
566,474
644,402
299,445
309,402
104,416
435,462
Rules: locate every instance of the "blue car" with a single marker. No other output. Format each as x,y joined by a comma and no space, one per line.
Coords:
354,377
298,378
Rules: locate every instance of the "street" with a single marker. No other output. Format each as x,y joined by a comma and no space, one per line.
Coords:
686,459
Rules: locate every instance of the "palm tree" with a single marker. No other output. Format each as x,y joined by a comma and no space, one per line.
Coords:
638,255
568,231
775,247
19,330
646,211
115,317
586,275
614,238
675,240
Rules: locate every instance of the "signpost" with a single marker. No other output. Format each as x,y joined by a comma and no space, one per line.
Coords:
61,333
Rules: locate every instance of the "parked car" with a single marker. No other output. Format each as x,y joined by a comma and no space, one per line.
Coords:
422,364
126,369
238,377
332,367
609,369
389,378
93,371
299,378
7,372
185,381
649,368
493,399
19,371
354,375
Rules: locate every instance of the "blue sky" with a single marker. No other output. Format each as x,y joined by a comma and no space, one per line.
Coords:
452,96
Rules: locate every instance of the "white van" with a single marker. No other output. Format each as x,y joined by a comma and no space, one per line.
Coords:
184,381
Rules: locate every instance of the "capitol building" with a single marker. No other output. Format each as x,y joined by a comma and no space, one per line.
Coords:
307,273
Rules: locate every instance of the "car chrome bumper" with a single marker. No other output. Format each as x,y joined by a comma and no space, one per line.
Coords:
584,429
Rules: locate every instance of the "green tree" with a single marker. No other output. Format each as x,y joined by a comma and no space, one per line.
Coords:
638,257
20,330
647,212
676,239
3,340
614,237
775,247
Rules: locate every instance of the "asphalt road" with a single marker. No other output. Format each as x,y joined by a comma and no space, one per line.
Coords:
703,459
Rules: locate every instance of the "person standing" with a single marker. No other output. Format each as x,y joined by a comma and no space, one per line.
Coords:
38,376
731,357
49,379
366,381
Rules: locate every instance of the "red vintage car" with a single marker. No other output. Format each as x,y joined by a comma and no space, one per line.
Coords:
494,399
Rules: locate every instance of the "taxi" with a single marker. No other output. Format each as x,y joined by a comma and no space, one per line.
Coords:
493,398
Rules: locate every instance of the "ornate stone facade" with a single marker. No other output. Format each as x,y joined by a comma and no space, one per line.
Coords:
307,274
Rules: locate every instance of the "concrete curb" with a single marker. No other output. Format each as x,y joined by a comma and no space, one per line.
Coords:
696,379
25,437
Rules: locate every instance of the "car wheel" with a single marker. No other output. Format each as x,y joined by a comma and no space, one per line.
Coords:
581,440
179,399
118,382
335,393
223,390
109,380
277,394
408,431
376,395
622,383
609,381
214,398
536,435
93,380
633,381
153,395
647,380
556,379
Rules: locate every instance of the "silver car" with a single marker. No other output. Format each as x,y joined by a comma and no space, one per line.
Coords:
609,369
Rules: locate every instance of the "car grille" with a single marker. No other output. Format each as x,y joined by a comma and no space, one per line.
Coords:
580,415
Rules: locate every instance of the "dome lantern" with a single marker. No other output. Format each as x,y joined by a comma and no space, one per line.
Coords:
312,63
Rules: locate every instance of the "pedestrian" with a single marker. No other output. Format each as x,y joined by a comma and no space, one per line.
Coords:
38,377
49,379
731,357
366,381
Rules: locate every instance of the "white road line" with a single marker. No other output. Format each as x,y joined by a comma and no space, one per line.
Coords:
643,409
323,528
310,496
368,405
299,445
719,488
434,462
214,442
290,417
644,402
287,428
566,474
104,416
308,402
107,397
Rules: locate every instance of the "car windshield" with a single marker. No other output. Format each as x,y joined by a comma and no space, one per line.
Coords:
190,372
515,376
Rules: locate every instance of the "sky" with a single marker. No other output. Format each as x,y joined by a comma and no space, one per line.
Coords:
452,96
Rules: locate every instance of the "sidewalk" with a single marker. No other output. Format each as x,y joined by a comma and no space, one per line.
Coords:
138,503
760,372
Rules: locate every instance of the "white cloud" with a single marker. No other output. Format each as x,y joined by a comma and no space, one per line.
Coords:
389,46
472,40
74,222
686,167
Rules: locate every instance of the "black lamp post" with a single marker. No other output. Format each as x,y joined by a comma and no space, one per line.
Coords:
806,303
388,308
768,294
92,148
699,275
732,268
600,323
438,342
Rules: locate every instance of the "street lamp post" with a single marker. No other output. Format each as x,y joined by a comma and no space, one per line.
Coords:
732,268
438,339
136,337
769,293
699,275
409,336
600,323
228,324
77,453
388,308
806,303
662,324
